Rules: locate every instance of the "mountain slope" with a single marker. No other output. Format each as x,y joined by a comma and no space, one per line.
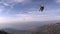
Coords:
48,29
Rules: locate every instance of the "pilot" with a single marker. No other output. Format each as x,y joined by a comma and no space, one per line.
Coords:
41,8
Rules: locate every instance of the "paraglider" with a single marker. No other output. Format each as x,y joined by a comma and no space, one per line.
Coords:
41,8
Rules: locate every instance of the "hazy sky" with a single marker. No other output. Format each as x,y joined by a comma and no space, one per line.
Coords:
28,10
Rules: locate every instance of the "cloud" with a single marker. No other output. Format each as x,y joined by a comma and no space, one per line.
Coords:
14,1
58,1
27,18
32,14
1,9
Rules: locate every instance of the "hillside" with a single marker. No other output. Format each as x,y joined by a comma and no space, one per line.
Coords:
14,31
53,28
48,29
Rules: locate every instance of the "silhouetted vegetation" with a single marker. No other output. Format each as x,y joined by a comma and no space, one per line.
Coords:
3,32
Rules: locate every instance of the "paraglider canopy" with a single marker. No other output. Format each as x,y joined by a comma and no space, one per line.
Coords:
41,8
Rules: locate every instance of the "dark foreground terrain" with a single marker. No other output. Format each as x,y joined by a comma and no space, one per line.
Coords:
45,29
3,32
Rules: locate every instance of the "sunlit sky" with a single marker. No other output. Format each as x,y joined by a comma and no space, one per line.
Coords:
28,10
